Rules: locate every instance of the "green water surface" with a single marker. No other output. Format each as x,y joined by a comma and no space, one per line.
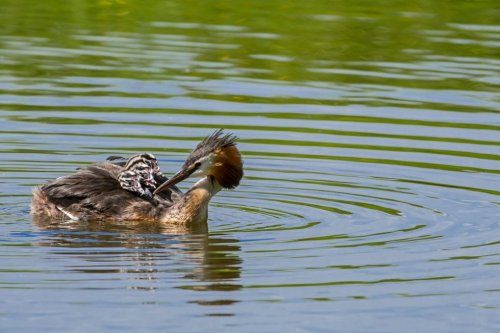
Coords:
370,134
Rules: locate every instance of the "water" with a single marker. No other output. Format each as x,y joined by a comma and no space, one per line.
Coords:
370,134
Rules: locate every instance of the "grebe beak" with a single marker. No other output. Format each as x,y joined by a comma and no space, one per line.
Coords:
177,178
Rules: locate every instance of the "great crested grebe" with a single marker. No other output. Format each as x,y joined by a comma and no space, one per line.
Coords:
135,189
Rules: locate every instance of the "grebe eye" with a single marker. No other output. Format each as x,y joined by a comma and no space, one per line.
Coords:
197,165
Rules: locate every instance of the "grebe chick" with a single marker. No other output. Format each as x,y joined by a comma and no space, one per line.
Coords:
140,175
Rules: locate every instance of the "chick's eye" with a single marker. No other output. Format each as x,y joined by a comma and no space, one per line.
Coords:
197,165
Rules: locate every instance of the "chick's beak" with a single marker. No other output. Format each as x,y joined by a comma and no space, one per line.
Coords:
177,178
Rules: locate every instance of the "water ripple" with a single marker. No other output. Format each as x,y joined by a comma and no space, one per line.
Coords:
370,139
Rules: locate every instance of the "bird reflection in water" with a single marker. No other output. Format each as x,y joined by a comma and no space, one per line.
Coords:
149,254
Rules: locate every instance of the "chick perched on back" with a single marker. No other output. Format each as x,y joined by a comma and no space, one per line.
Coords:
141,175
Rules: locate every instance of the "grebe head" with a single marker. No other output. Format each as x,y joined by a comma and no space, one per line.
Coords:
215,156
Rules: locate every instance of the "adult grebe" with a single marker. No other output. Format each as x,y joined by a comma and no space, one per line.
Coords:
115,190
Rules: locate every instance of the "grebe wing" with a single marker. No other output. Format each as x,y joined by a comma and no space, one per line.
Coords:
93,191
89,182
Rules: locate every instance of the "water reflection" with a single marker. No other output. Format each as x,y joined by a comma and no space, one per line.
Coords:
148,254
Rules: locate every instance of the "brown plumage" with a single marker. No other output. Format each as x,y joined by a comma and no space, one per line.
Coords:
95,193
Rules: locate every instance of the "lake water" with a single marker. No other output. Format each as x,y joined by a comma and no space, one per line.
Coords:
370,134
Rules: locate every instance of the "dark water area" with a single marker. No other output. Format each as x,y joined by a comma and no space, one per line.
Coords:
370,134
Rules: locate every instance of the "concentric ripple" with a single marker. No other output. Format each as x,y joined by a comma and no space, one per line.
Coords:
371,146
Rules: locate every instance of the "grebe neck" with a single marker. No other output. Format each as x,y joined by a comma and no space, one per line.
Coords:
193,206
